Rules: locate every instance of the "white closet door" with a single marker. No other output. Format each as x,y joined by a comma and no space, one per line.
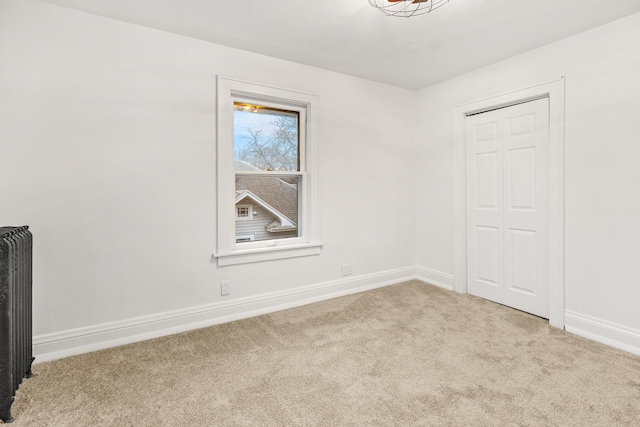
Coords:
507,217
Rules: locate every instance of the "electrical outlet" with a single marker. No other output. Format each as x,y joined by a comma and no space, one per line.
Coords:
225,288
346,269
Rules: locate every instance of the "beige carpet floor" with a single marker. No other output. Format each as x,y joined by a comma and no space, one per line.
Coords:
405,355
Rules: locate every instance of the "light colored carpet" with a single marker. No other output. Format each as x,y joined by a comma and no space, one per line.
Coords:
405,355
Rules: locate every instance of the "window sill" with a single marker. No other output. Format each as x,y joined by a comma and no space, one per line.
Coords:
267,254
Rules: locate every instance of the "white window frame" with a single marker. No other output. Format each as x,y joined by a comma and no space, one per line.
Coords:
249,209
308,243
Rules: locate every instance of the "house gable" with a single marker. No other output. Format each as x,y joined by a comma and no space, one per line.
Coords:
247,196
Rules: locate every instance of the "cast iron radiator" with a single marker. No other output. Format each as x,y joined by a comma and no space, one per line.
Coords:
15,314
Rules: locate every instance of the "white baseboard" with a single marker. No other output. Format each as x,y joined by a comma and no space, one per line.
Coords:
83,340
434,277
602,331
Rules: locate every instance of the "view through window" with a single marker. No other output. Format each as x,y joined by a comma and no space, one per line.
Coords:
266,148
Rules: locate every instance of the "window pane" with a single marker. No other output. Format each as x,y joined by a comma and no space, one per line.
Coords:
273,204
265,138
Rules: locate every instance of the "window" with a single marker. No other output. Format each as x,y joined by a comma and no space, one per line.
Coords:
267,173
244,213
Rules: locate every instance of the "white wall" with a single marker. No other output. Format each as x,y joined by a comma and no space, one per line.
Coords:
602,148
107,134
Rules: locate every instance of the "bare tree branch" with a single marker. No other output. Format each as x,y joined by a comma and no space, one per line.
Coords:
279,152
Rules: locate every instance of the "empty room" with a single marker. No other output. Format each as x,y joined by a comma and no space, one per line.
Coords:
319,213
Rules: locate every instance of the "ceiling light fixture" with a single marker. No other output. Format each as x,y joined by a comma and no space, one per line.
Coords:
406,8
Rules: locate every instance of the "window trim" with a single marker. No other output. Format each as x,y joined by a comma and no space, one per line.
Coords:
308,243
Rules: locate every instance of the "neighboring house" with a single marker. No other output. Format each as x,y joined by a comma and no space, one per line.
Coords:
266,208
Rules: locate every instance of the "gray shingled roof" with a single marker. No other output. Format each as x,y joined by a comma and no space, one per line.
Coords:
281,195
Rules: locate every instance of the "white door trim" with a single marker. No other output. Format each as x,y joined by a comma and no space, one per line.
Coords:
555,91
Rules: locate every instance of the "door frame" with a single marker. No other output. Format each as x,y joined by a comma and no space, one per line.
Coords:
554,90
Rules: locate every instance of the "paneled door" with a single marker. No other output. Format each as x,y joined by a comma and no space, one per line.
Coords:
507,206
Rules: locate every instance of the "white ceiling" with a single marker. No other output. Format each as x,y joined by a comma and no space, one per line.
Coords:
351,37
